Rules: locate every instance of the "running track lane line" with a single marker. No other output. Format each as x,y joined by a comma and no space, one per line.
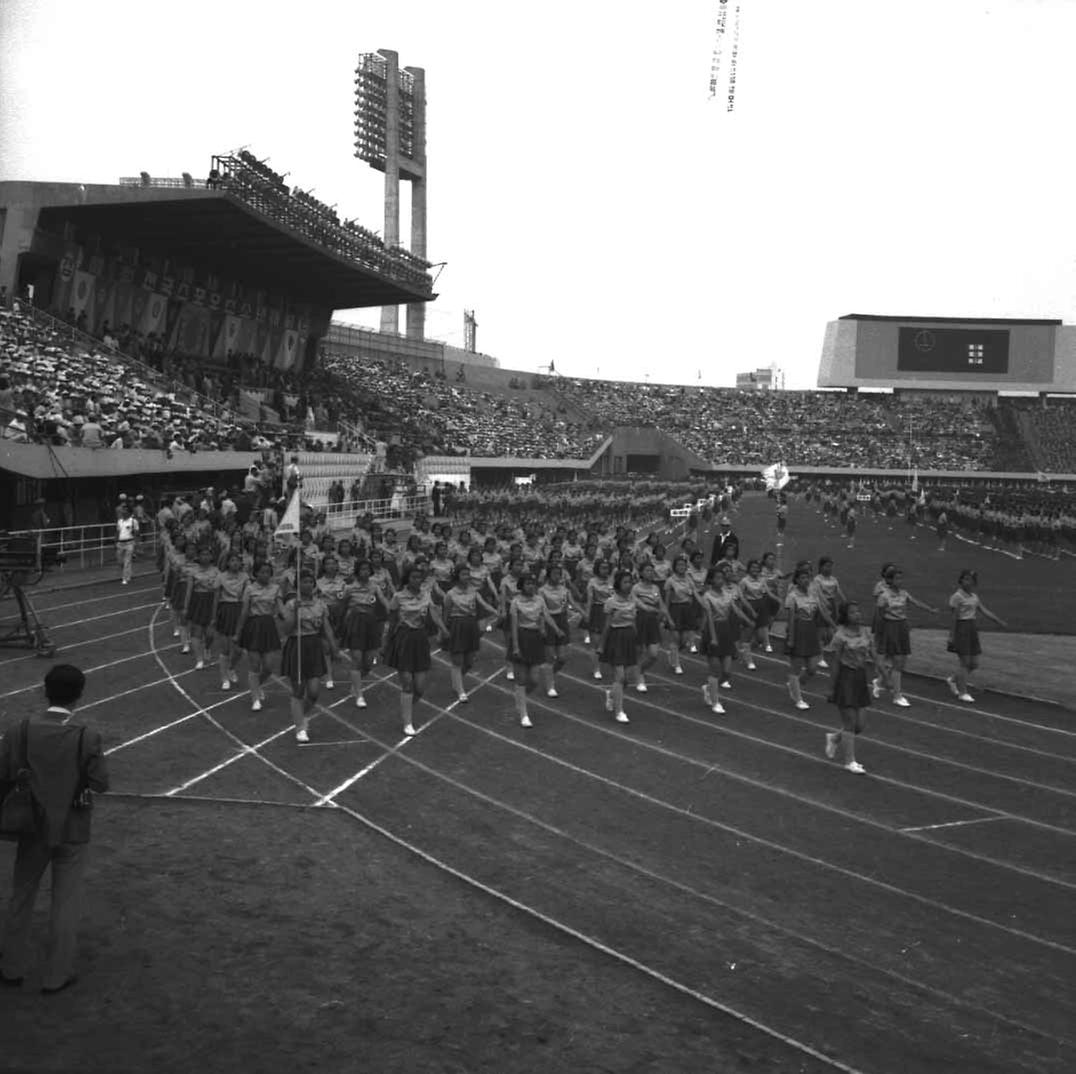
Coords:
761,840
100,667
814,758
216,723
951,824
75,645
389,752
247,749
205,800
710,899
882,744
903,717
597,945
97,600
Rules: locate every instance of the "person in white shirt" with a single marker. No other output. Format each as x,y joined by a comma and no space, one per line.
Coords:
126,532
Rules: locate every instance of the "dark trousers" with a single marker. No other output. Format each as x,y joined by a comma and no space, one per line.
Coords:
68,862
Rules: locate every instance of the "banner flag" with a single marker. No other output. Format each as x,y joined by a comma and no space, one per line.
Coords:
285,356
82,293
227,337
289,524
154,315
777,476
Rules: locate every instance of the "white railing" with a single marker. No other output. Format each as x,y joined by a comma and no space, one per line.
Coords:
342,516
89,546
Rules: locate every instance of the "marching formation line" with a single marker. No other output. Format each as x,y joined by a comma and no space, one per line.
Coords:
838,952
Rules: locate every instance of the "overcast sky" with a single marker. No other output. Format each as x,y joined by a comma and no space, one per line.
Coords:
593,205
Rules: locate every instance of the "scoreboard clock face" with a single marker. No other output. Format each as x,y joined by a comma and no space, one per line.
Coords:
953,350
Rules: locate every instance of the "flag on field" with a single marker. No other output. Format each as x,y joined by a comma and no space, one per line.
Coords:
915,479
776,476
289,524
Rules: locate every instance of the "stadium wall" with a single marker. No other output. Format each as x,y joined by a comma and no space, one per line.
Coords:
44,463
365,341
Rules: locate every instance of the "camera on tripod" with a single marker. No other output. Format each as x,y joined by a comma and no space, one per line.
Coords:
28,555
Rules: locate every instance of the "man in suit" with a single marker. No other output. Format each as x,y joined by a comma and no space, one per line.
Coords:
722,538
64,757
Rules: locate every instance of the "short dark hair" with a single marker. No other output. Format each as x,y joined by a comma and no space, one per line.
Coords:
64,684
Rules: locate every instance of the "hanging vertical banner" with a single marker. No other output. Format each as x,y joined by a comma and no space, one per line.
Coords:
725,56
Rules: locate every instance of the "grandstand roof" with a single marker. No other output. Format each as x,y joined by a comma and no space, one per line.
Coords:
944,320
217,228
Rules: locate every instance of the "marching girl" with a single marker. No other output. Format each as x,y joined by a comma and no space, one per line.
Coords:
181,565
731,558
773,578
652,613
573,553
203,580
680,600
528,621
307,627
942,524
332,591
442,566
756,595
508,589
599,588
662,568
492,560
850,522
964,640
380,573
365,611
256,632
408,647
853,649
558,599
740,605
231,585
164,544
802,644
481,579
876,621
719,609
830,597
346,559
895,638
697,572
460,605
618,644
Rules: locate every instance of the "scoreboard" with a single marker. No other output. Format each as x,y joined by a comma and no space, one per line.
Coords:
948,354
953,350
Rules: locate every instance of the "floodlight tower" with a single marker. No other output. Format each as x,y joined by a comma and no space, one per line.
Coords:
390,135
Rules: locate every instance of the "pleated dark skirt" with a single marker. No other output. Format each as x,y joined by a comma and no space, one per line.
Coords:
303,657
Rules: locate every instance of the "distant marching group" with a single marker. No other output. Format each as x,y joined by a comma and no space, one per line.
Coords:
366,598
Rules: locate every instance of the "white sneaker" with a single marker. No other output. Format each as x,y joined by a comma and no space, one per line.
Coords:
608,700
902,701
302,736
622,717
329,684
123,581
876,688
953,688
693,649
525,721
233,675
706,693
725,684
751,666
964,697
551,692
640,687
802,705
831,745
822,663
185,649
175,632
586,639
463,699
256,705
360,702
409,729
511,676
855,766
718,708
199,665
226,685
597,674
769,647
678,670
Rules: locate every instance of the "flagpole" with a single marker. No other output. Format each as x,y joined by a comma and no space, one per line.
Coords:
298,616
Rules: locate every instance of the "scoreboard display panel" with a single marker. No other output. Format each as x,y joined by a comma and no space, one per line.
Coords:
978,351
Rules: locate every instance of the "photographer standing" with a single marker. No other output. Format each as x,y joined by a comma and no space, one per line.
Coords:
65,760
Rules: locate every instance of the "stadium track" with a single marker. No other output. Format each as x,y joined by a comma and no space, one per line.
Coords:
723,857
